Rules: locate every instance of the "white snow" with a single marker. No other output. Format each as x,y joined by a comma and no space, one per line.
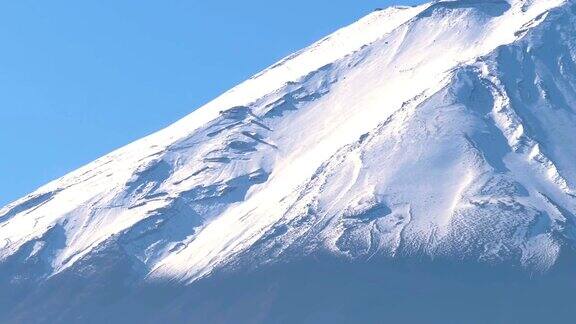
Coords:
397,134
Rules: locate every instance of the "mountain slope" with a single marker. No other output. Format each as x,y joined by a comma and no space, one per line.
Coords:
440,132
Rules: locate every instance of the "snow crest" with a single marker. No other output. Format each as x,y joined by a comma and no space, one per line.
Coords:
443,130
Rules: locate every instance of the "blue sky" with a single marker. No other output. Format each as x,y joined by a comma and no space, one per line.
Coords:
81,78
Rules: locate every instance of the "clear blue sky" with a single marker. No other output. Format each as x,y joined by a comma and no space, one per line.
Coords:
81,78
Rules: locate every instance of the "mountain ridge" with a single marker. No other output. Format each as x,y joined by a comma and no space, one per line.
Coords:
439,132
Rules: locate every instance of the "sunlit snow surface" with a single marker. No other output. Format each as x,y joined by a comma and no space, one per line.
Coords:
443,131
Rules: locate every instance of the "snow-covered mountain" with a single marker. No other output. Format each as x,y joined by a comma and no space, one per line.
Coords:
443,133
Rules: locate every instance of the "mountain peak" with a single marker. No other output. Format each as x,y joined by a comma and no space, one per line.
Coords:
441,131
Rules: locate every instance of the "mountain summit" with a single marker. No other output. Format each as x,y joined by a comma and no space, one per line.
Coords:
412,145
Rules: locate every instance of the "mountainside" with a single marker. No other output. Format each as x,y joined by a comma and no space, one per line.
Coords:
442,133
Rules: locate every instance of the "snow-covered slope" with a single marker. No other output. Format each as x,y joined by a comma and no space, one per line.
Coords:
443,131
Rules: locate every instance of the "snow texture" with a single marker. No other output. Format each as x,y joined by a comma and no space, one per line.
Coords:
443,131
